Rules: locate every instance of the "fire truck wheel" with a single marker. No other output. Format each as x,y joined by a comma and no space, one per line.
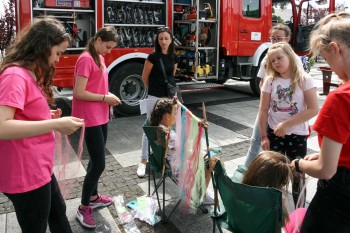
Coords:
255,81
126,83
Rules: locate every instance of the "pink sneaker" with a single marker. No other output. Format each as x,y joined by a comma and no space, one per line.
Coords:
86,217
101,201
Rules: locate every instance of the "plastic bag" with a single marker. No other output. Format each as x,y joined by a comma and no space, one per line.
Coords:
126,218
102,228
146,209
124,215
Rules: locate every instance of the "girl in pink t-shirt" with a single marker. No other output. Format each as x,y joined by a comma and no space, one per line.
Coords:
288,101
27,142
91,101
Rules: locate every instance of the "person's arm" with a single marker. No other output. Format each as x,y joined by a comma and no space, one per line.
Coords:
11,129
325,166
261,82
262,116
175,67
81,93
262,72
146,72
311,111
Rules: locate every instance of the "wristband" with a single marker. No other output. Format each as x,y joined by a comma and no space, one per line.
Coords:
296,163
103,98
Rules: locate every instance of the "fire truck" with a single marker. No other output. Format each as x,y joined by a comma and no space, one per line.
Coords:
215,40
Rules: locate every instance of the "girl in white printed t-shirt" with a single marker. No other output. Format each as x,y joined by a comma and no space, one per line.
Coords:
288,101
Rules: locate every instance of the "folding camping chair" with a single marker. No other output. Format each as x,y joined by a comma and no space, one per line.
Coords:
248,209
156,159
158,165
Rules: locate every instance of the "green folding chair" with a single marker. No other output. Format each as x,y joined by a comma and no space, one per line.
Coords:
247,209
158,164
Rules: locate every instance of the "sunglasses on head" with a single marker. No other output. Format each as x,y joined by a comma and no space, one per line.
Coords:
163,29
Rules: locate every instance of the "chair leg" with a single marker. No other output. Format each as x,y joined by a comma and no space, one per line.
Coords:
214,226
149,180
149,169
156,191
165,219
157,186
173,210
220,230
203,209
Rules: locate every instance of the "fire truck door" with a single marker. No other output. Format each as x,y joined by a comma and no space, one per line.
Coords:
253,26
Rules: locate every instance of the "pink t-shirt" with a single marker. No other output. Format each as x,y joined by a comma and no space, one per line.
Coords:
26,164
93,112
285,104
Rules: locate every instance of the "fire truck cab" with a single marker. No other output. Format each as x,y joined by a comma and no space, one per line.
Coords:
224,39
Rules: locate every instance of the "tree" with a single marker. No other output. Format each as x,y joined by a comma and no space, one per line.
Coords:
278,19
7,25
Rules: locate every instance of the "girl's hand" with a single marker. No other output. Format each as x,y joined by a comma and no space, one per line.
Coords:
68,125
280,129
55,114
112,100
314,156
265,143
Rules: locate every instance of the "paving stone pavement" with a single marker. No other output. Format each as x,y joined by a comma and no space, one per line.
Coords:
231,114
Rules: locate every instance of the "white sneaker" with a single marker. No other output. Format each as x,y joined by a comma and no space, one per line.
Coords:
141,170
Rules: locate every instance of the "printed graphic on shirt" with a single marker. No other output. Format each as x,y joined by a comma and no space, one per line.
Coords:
285,103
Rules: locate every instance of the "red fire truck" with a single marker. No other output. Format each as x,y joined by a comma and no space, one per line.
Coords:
215,40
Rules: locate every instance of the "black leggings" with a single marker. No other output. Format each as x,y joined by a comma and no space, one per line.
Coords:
36,208
95,139
293,146
329,209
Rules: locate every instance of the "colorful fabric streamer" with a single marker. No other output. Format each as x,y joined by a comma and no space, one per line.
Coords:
188,163
67,162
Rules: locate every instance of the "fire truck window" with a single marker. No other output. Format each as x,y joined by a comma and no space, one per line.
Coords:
251,8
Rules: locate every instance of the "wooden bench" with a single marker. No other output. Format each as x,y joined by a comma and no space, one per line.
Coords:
327,77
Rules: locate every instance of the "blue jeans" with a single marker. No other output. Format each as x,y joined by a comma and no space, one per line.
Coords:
255,144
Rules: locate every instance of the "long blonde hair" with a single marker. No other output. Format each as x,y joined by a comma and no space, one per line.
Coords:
335,26
297,72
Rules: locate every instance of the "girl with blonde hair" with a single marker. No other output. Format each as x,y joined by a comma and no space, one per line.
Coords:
330,207
288,101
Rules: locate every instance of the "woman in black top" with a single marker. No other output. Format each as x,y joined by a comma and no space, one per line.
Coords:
154,80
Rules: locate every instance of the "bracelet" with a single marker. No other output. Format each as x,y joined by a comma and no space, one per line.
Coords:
297,168
103,98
